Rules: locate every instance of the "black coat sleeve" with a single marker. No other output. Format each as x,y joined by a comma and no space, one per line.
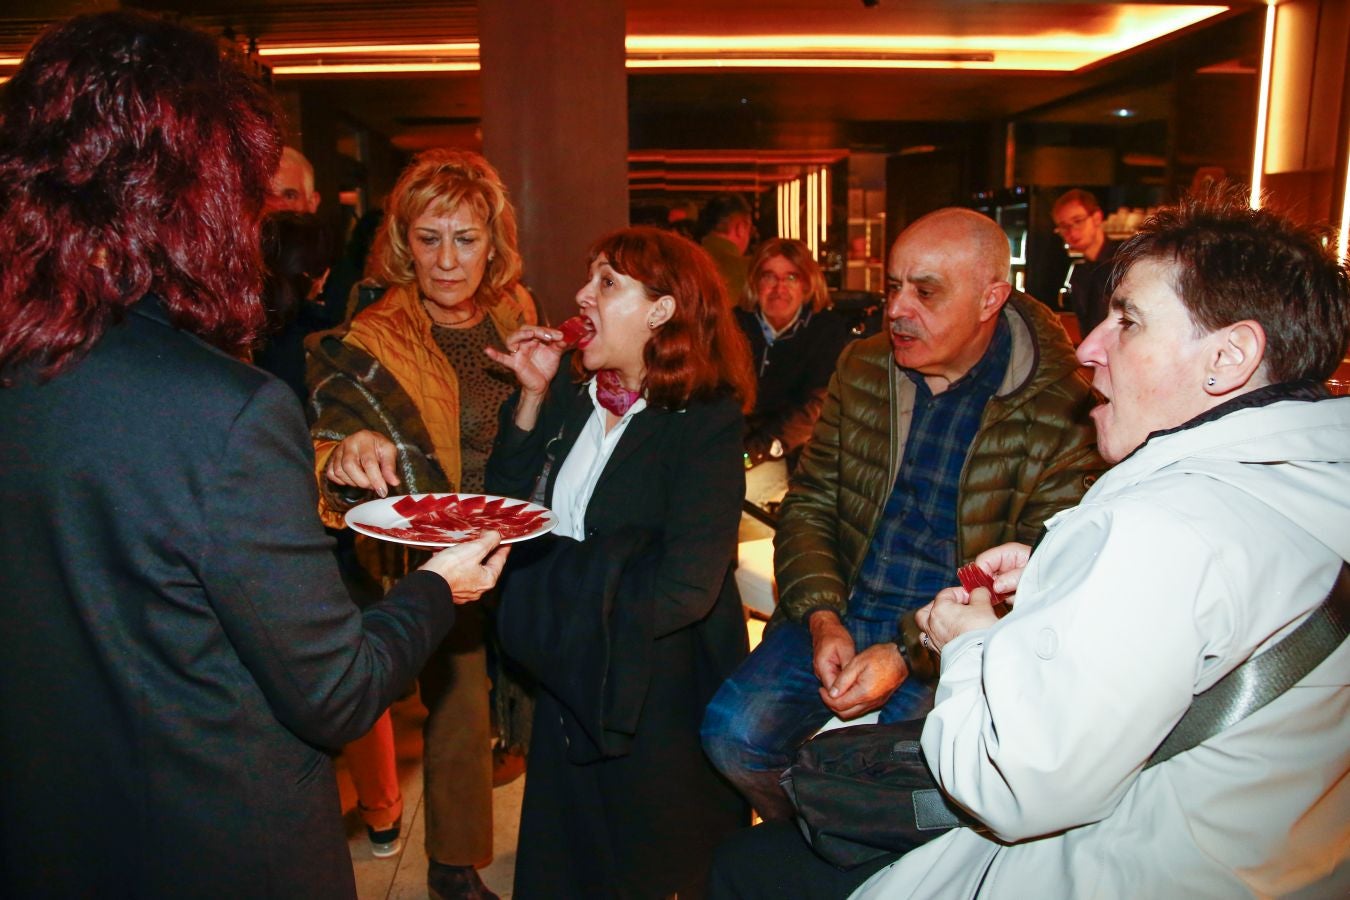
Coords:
706,487
327,669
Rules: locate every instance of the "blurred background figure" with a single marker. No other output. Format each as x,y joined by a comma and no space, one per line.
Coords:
795,339
1078,220
342,292
296,250
404,400
725,227
181,654
292,186
641,461
682,218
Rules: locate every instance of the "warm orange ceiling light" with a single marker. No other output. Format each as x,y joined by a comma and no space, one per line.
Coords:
461,48
374,68
1132,24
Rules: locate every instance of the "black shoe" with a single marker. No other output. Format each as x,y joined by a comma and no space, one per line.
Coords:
456,883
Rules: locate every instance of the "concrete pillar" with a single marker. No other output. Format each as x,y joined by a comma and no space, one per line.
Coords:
1305,139
555,124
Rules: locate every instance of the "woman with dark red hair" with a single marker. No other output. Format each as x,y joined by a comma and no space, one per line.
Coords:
630,618
178,646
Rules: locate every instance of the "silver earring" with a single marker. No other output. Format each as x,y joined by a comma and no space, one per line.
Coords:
1211,381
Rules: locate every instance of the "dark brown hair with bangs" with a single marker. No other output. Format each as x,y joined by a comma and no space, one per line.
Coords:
700,352
1232,262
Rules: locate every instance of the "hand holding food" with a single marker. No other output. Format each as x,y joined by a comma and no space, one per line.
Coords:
533,352
364,459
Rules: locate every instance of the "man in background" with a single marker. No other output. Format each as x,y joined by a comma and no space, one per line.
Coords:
962,425
726,226
293,184
1078,220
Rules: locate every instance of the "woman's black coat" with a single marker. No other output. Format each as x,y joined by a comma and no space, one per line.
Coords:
179,651
642,824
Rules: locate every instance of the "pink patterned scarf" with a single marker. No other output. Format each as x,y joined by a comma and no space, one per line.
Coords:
611,393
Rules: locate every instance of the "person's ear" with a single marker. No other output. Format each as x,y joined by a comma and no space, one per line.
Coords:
1236,361
662,309
314,201
996,294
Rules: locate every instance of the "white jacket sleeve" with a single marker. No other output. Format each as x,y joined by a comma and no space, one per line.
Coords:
1043,721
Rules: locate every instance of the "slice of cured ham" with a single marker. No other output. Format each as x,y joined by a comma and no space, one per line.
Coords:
451,518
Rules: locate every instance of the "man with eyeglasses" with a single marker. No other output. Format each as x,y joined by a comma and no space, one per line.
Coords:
963,424
794,340
1078,220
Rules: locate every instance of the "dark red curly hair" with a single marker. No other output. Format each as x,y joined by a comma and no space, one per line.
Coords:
700,352
134,158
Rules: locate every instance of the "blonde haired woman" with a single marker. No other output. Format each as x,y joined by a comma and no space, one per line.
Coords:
405,401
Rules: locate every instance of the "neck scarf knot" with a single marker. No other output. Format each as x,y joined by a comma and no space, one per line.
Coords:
611,393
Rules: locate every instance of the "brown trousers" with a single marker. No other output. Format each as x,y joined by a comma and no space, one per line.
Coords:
457,748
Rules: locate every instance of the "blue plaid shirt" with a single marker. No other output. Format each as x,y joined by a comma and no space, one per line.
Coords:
913,552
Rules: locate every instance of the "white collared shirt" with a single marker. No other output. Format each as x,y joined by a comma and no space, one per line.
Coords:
582,467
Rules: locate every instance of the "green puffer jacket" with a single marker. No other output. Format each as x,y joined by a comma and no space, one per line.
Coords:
1035,454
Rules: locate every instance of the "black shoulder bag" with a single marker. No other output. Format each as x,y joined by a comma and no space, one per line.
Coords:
866,791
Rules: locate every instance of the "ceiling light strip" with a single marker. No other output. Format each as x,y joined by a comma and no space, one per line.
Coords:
374,68
1263,106
462,48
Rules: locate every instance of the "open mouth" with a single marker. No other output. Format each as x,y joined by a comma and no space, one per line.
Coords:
577,332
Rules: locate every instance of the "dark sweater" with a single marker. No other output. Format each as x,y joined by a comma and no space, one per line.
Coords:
793,375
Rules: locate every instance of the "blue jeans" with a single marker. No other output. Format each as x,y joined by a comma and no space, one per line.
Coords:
771,705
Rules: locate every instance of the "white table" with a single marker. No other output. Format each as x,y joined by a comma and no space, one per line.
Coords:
754,576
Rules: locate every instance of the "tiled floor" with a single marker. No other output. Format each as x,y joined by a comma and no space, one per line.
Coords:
404,877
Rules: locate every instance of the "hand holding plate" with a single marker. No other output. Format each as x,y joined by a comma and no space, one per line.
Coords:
472,567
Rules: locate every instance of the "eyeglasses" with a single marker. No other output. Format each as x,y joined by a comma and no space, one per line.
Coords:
769,279
1072,225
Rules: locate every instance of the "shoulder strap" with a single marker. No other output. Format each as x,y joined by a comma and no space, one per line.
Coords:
1263,677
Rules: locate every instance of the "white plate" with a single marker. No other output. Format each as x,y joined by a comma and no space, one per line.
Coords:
370,517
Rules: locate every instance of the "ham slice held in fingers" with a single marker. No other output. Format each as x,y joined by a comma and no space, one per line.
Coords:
575,331
972,576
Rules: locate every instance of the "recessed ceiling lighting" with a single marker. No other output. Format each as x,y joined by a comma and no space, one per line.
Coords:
1124,113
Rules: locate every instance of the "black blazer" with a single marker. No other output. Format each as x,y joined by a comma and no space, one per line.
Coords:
677,473
643,823
177,645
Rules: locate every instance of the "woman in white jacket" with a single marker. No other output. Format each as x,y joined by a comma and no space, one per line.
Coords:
1221,528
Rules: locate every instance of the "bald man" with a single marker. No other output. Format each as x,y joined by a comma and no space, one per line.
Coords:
961,426
293,184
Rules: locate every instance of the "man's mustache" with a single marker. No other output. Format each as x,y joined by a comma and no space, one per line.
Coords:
904,330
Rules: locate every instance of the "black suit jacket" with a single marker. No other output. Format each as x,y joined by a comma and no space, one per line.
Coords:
176,642
643,823
677,473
